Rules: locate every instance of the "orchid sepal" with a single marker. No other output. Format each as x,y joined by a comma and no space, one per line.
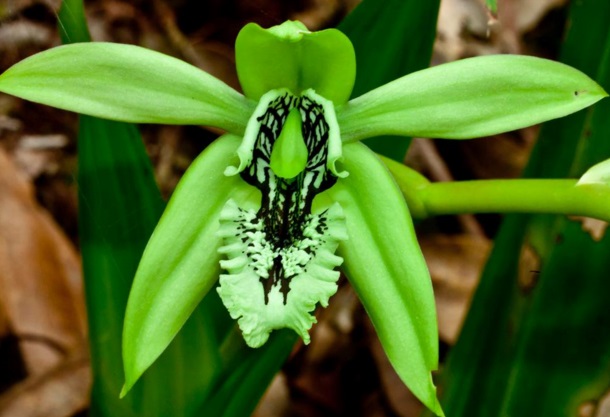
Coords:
470,98
164,294
384,264
127,83
290,56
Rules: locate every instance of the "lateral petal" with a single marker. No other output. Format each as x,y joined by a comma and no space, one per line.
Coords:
181,262
384,263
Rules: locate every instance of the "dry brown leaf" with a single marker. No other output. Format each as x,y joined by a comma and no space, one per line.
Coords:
62,392
529,268
455,264
40,278
4,329
276,401
594,227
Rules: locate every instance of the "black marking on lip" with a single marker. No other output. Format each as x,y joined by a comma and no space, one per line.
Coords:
286,204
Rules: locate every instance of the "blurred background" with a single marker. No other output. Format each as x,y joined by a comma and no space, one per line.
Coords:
44,367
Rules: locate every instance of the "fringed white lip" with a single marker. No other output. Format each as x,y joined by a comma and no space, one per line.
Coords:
280,260
249,255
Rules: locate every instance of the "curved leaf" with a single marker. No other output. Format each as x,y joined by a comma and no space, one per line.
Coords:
385,265
127,83
470,98
181,262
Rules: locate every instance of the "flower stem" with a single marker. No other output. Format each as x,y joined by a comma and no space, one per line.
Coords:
551,196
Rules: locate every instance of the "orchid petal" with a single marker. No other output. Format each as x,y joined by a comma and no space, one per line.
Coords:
597,174
181,263
310,263
470,98
289,56
384,263
127,83
280,260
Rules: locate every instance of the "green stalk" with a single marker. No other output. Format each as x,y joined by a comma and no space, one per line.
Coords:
552,196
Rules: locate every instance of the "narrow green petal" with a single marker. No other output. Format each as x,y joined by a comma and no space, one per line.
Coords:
385,265
181,261
127,83
470,98
289,56
597,174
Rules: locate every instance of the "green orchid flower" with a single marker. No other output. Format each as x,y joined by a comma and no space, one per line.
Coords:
273,208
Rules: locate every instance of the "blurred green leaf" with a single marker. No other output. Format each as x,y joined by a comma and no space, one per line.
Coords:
391,38
72,22
289,56
251,372
119,206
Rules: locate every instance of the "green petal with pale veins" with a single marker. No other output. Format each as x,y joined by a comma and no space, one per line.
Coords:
470,98
289,56
127,83
384,263
181,262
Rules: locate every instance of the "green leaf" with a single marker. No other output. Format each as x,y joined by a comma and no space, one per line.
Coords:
470,98
119,205
181,263
385,265
127,83
72,22
289,56
392,38
250,376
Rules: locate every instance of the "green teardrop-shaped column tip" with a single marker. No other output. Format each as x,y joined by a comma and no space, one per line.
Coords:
289,56
289,154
